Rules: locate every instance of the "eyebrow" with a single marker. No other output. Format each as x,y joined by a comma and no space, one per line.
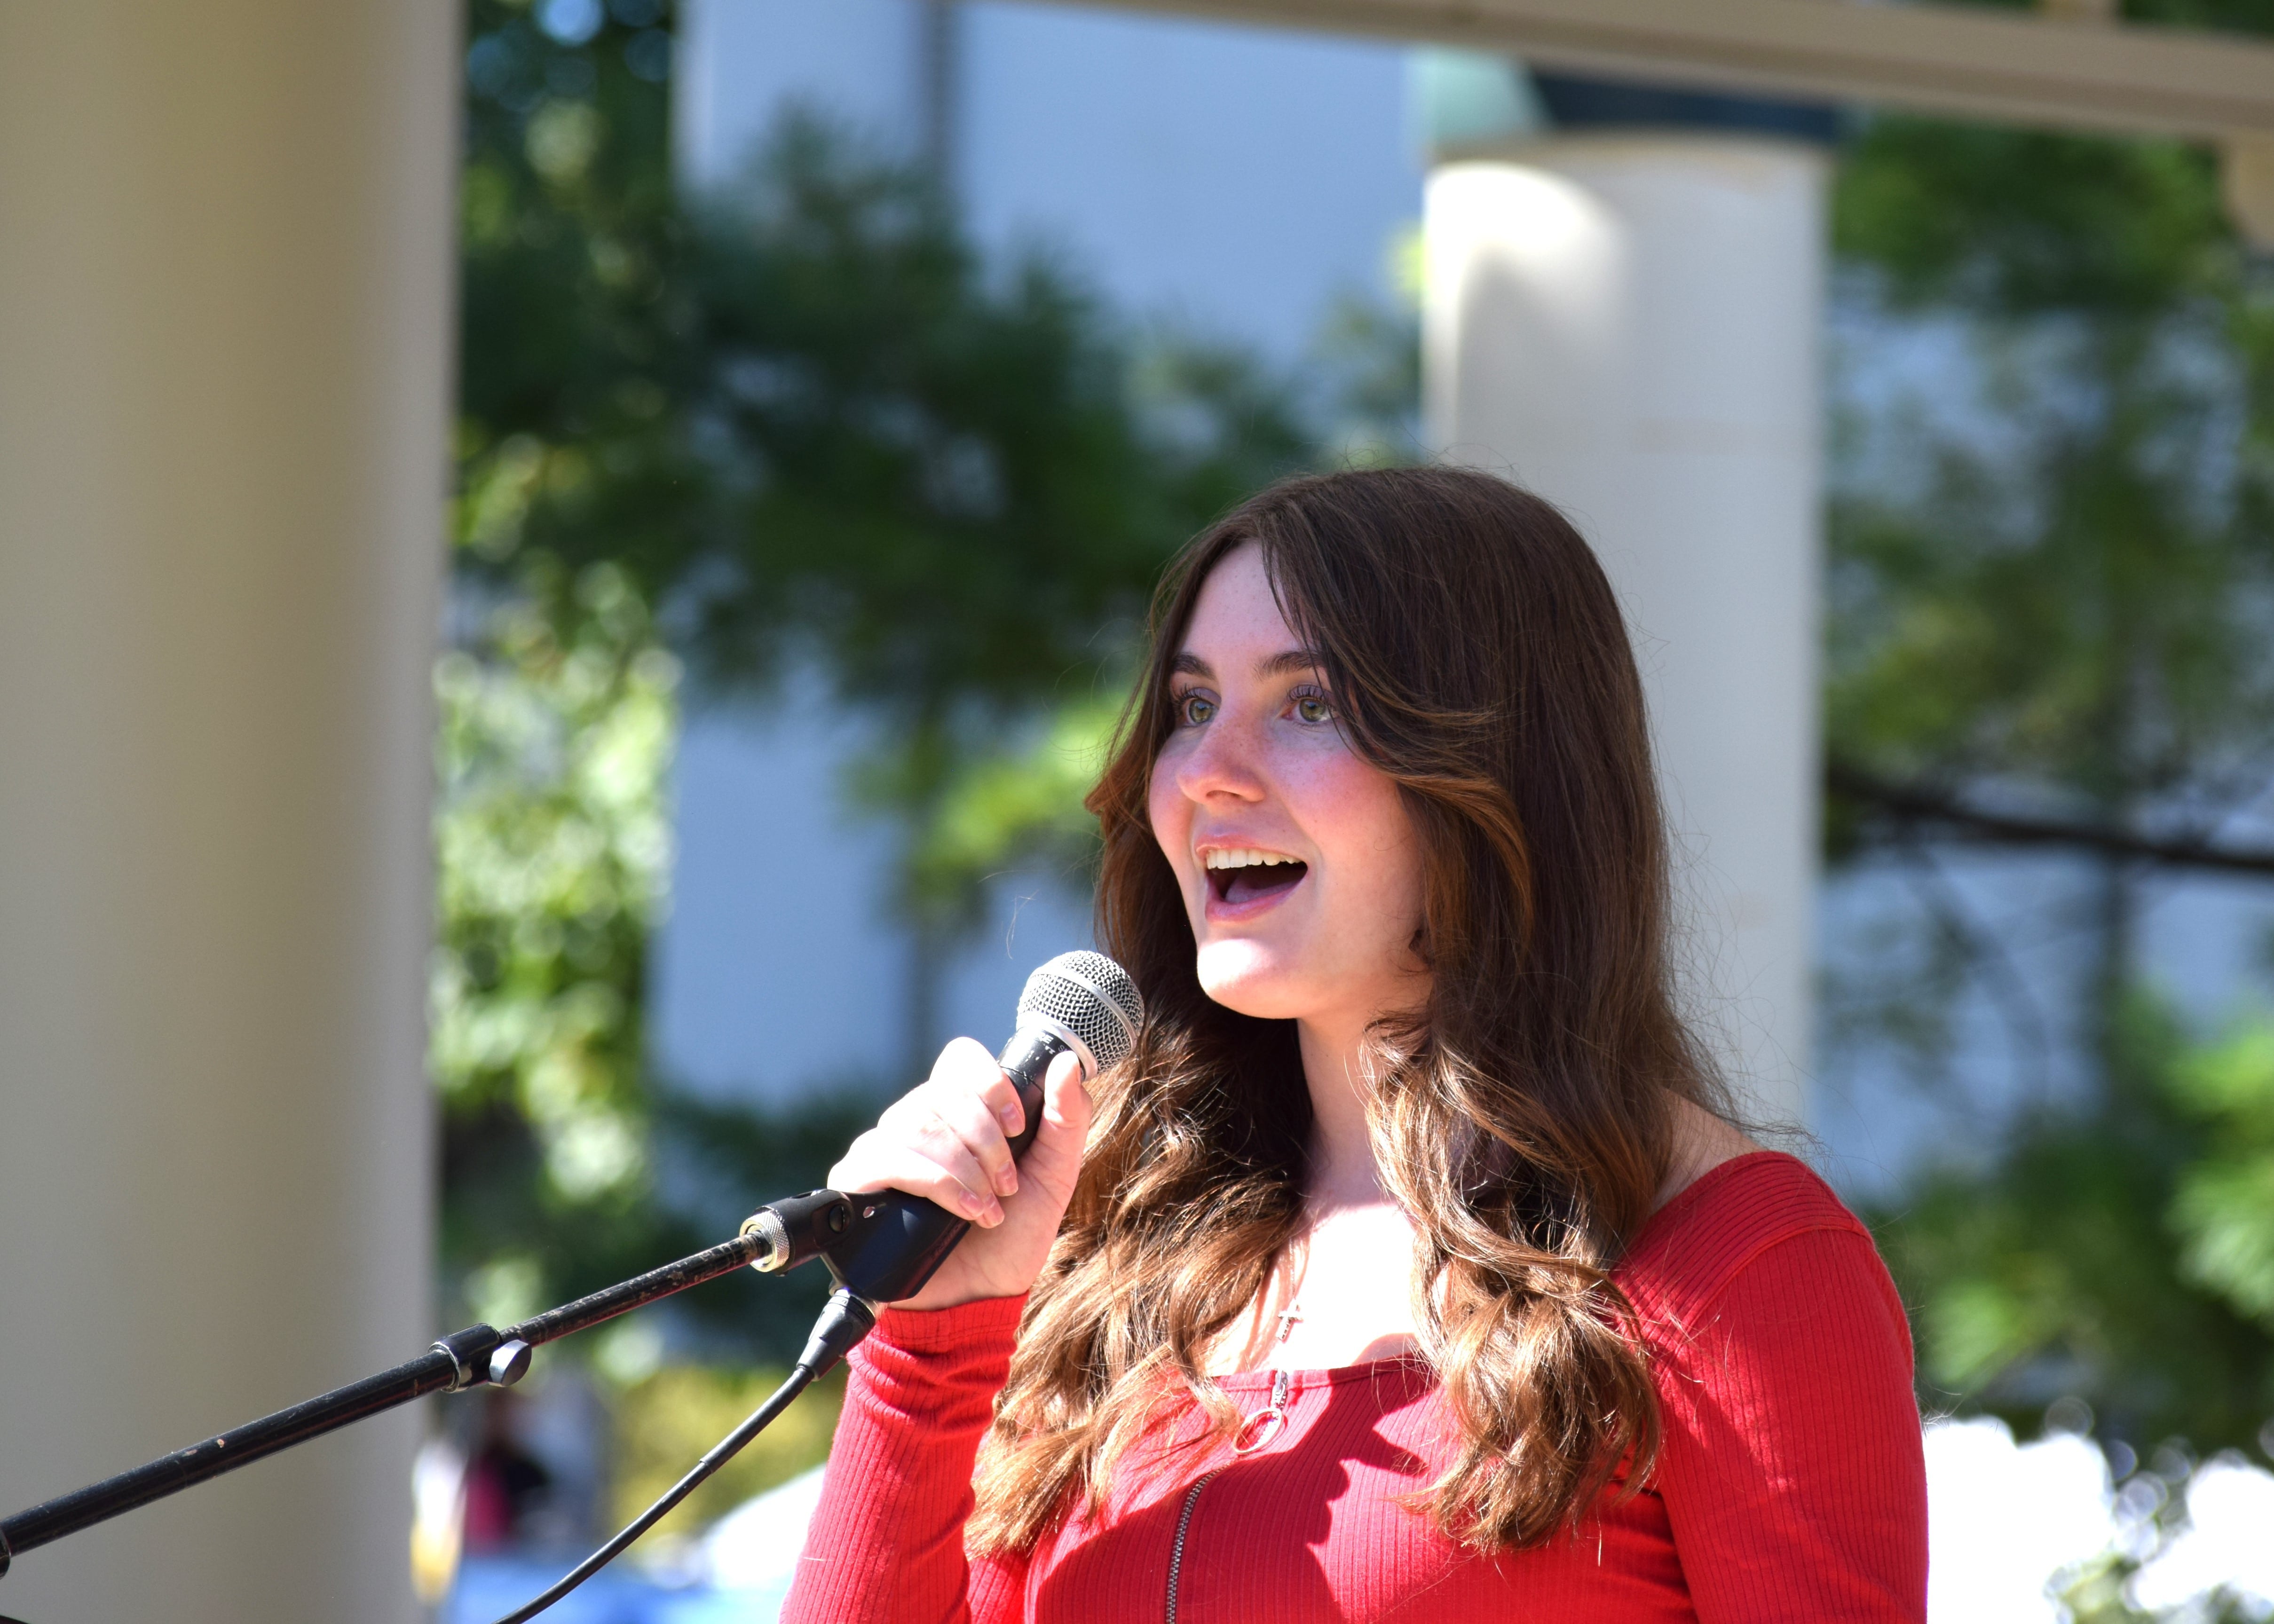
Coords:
1287,662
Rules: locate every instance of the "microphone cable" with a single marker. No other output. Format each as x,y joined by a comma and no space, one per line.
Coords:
842,1324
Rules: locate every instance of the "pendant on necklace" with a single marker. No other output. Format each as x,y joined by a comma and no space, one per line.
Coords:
1268,1423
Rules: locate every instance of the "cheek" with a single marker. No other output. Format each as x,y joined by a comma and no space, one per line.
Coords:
1373,835
1171,815
1402,869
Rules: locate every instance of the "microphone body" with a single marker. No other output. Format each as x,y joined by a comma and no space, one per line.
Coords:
883,1247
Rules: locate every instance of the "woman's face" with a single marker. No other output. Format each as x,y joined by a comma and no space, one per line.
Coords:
1300,868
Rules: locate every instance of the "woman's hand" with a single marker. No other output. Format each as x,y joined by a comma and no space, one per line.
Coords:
948,1141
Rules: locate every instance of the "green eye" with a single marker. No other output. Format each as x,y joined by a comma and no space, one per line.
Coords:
1310,708
1193,709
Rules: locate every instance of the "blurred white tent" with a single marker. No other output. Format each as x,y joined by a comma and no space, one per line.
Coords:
2011,1527
2228,1543
754,1548
2002,1520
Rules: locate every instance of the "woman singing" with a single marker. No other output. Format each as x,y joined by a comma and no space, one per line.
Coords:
1410,1268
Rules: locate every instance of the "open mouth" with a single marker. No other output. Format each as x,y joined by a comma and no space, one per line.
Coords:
1237,876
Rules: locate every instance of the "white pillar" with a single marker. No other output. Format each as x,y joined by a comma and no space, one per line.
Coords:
225,286
1627,324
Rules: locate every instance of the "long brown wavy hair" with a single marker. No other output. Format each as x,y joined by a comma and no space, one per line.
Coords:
1476,654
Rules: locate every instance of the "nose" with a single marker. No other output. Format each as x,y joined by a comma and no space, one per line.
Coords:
1220,764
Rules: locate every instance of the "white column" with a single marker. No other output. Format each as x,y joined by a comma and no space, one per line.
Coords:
1627,324
225,286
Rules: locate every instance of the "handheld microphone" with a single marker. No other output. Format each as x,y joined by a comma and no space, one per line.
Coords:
881,1248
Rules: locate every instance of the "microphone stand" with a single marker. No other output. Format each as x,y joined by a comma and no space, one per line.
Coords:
880,1248
472,1358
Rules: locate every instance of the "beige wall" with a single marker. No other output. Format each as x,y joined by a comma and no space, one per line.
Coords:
1628,324
225,275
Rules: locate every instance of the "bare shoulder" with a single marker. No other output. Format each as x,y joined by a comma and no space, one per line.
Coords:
1702,1142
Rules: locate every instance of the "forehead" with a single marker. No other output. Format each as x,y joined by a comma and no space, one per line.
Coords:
1236,612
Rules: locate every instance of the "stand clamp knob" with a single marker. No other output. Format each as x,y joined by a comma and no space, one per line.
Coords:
470,1352
510,1363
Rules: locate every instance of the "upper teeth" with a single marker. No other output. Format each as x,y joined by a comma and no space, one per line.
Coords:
1241,858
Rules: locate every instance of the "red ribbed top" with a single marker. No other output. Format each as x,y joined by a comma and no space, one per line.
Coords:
1790,1484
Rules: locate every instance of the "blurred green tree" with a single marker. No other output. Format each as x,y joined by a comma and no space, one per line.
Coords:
2066,1265
2052,620
2224,1208
802,428
552,845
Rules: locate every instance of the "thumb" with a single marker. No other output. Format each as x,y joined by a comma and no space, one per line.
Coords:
1056,1153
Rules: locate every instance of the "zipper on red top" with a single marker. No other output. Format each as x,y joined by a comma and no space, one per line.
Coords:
1257,1430
1177,1551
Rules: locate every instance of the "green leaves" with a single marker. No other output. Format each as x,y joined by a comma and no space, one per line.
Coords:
805,426
2052,578
937,476
2049,1268
2059,568
2224,1209
815,426
2022,222
1020,807
552,842
2087,602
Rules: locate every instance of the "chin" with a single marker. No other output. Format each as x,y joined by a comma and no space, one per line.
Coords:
1248,978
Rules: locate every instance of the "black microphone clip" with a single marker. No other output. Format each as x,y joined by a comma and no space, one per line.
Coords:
798,1228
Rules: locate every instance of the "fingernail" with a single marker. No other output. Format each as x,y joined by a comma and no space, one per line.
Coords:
1007,1182
1010,1118
994,1215
977,1204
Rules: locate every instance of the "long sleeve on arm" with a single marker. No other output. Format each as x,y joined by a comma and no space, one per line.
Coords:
885,1545
1791,1470
1790,1485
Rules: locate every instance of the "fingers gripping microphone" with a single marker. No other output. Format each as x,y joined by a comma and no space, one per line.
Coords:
884,1247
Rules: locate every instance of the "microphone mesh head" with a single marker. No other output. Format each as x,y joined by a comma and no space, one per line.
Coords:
1091,997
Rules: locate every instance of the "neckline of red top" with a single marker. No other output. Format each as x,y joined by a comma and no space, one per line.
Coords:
1328,1376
